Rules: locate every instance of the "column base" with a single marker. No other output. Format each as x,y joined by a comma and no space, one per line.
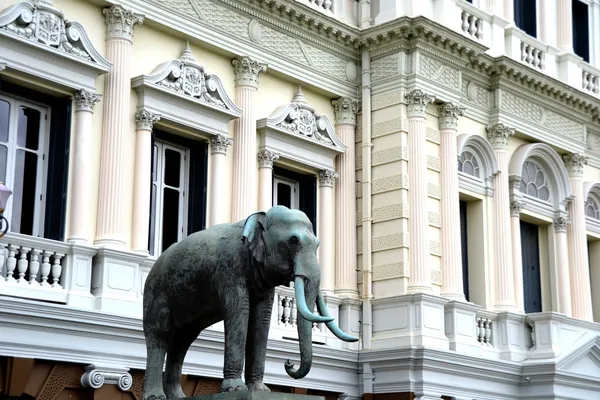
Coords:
454,297
512,308
77,240
419,288
79,267
410,320
110,243
117,281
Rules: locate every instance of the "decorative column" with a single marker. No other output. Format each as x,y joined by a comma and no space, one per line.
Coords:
120,24
80,195
144,121
245,194
493,6
509,11
218,155
265,178
452,274
346,282
325,229
564,25
576,233
517,260
418,223
504,274
562,265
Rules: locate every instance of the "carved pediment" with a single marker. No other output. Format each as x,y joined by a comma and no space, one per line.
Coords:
185,76
299,118
40,22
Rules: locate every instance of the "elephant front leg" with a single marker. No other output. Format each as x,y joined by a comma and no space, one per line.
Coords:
236,329
256,346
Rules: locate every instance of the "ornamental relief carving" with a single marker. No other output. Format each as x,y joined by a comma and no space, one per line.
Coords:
42,23
474,93
444,75
538,115
384,67
389,271
593,141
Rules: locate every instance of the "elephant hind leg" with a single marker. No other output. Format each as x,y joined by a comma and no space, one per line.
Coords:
178,347
156,347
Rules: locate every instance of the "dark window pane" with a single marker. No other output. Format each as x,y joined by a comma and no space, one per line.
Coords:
4,115
172,167
581,32
525,16
152,235
464,247
3,155
530,256
170,217
24,192
284,195
28,128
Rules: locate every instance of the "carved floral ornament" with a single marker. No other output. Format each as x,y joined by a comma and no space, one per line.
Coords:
575,163
417,102
345,110
327,177
186,77
145,120
219,144
40,22
266,158
299,118
448,115
498,135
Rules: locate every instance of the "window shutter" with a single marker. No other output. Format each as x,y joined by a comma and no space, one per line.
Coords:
58,169
464,247
197,187
530,256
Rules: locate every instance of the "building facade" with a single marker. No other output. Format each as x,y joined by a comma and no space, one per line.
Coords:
446,151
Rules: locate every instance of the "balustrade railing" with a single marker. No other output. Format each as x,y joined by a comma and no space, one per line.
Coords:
323,6
471,25
483,330
590,81
33,267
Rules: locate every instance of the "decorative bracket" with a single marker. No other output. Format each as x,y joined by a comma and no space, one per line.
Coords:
96,376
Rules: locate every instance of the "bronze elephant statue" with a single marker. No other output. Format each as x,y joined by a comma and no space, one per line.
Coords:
228,273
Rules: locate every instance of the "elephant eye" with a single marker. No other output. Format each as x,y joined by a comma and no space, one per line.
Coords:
294,240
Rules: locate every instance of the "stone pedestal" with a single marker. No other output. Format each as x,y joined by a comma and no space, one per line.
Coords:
255,396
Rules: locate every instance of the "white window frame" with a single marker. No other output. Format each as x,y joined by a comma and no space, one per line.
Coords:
160,186
42,168
295,185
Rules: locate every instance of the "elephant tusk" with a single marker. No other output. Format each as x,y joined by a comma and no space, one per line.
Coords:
322,307
301,303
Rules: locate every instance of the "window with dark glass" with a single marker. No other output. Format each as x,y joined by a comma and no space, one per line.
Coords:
525,14
464,247
581,30
530,256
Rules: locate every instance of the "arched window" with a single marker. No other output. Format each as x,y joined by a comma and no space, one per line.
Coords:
533,181
469,164
592,209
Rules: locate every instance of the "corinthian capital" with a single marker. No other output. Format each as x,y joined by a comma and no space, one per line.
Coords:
120,22
327,177
498,135
219,144
85,101
448,115
344,110
417,103
560,224
144,119
575,163
266,158
247,70
515,208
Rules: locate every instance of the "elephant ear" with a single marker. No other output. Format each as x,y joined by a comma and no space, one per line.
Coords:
253,235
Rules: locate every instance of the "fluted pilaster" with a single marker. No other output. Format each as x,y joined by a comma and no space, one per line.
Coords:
144,121
517,260
505,282
119,33
245,180
325,229
80,195
451,264
509,10
266,158
576,234
564,25
346,282
218,156
562,265
418,223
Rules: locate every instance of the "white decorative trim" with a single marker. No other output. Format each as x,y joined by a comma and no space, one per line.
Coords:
85,100
417,103
327,177
266,158
95,377
120,22
344,110
448,115
498,135
297,133
247,71
219,144
145,120
575,163
181,91
486,156
589,188
554,167
39,41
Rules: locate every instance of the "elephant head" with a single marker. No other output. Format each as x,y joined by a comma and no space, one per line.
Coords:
283,244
